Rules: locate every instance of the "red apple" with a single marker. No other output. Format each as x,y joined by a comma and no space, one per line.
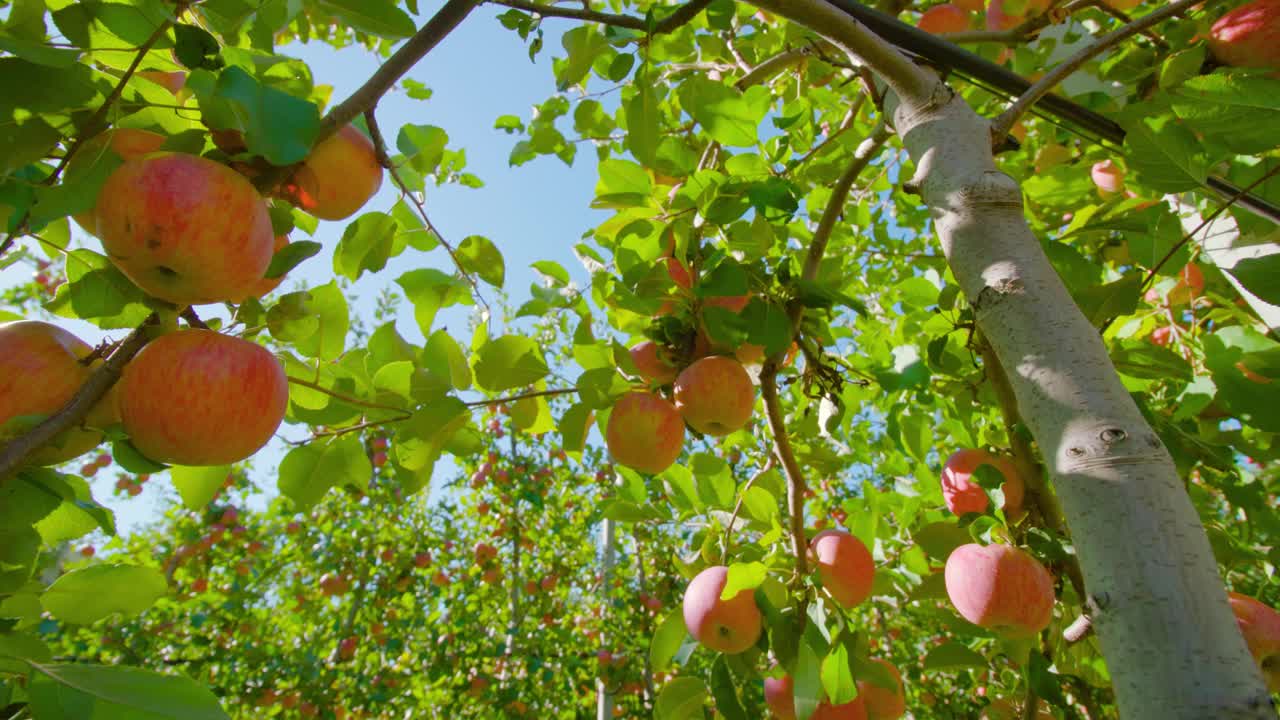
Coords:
679,273
1001,588
347,648
195,397
265,285
845,566
484,553
855,709
715,395
41,368
125,143
728,626
653,366
1260,625
944,18
883,703
1161,335
492,576
1107,177
1248,36
970,5
338,177
964,495
645,432
185,229
422,559
779,696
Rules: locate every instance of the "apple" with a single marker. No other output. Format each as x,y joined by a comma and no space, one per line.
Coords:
1260,625
195,397
964,495
1122,5
422,559
347,648
645,432
492,576
338,177
779,696
679,273
999,20
41,368
970,5
715,395
944,18
171,81
883,703
652,364
1107,177
1001,588
1248,36
185,229
845,566
265,285
124,143
855,709
1161,335
484,553
728,626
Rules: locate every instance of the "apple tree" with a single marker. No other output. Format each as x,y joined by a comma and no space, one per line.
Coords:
925,363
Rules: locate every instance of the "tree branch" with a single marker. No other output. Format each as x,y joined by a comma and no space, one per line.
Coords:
681,16
737,507
866,152
15,453
521,396
795,478
1000,126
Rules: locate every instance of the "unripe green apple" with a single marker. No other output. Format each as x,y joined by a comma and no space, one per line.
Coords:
845,566
1260,625
1000,588
645,432
715,395
728,626
1248,36
185,229
195,397
883,703
963,495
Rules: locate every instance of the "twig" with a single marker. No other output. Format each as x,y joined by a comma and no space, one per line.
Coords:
1000,126
737,507
193,319
380,148
346,398
1022,31
1124,18
1078,630
682,15
15,453
795,478
521,396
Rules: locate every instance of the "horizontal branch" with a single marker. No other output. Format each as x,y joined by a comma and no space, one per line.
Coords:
682,15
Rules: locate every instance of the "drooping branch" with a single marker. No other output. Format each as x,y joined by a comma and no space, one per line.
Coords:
786,455
675,20
1000,126
14,454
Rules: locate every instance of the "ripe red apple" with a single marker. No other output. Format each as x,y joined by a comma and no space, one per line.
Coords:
883,703
998,19
347,648
492,576
970,5
653,366
964,495
715,395
645,432
422,559
1260,625
1107,177
338,177
779,696
1248,36
484,553
728,626
185,229
845,566
679,273
855,709
126,143
944,18
41,368
1001,588
195,397
1161,335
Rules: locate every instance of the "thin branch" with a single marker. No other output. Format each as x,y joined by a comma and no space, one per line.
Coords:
845,123
737,507
787,456
1078,630
15,453
380,148
1000,126
682,15
521,396
1025,30
346,398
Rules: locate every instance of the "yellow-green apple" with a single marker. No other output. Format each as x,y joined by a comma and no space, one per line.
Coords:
266,284
779,696
845,566
963,495
1260,625
855,709
171,81
883,703
728,626
195,397
1108,177
715,395
338,177
1001,588
41,368
185,229
650,360
946,18
125,143
645,432
1248,36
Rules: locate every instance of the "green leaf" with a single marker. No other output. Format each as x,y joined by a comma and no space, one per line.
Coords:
1101,303
807,681
27,498
423,146
130,458
510,361
574,426
78,515
680,699
431,290
1260,276
96,290
1239,111
938,539
19,548
670,636
366,244
327,304
290,256
743,577
643,116
725,692
443,356
622,184
553,270
730,117
1046,683
276,125
1166,156
422,438
376,17
97,692
952,655
198,485
477,254
89,594
583,43
837,675
308,472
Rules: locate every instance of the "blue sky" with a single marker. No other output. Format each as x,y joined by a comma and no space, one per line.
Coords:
533,212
